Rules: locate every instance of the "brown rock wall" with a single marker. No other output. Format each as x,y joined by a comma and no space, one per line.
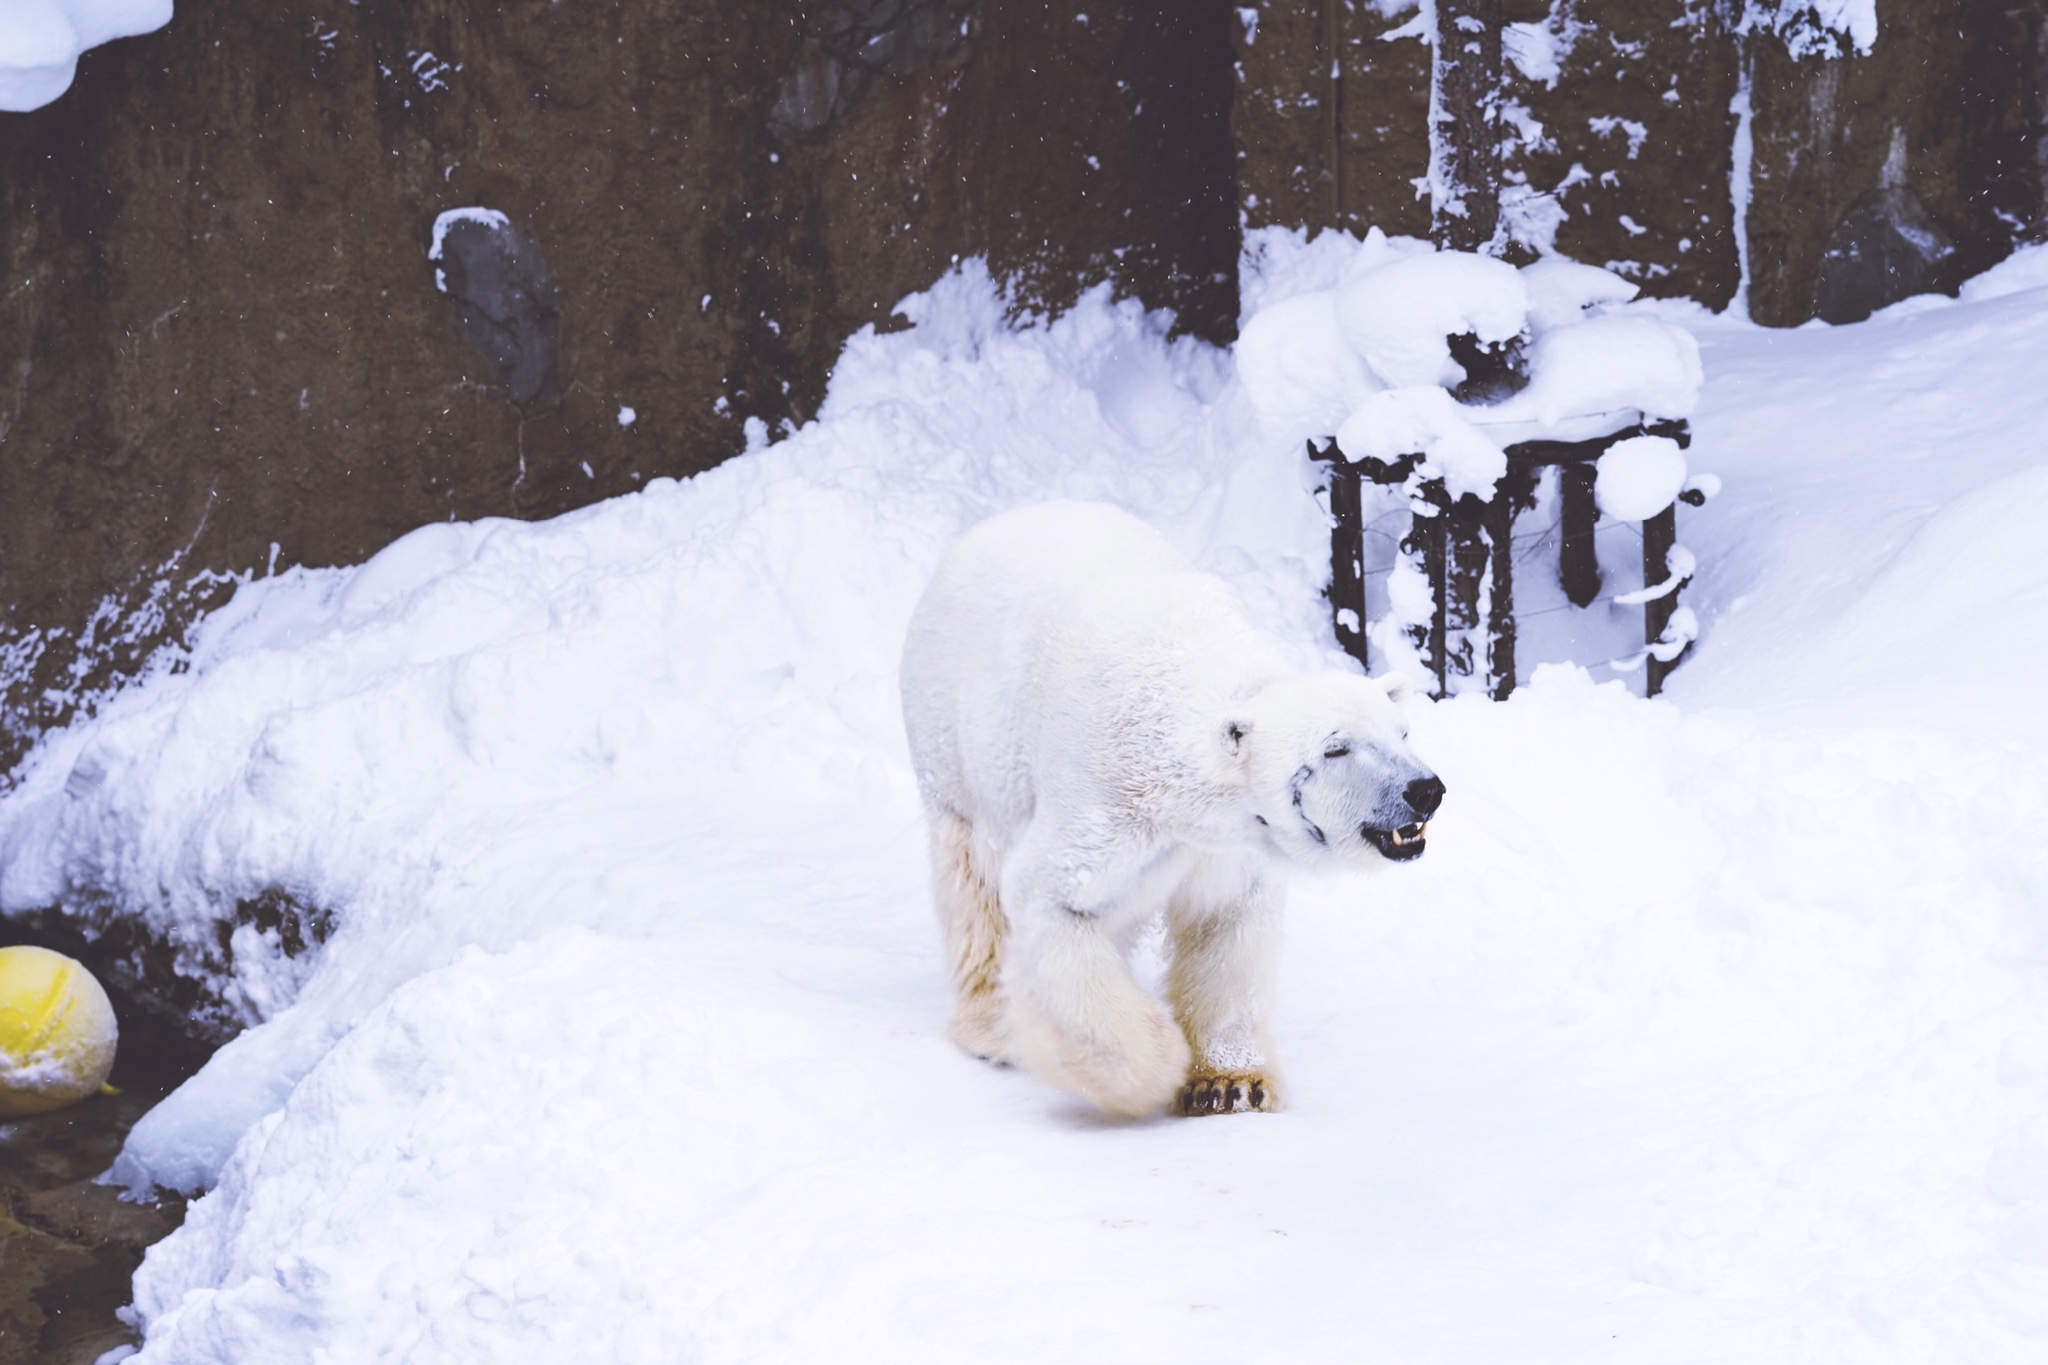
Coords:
1631,139
220,331
1638,140
1634,121
1948,97
1331,118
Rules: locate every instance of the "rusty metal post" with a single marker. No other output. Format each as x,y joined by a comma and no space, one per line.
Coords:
1347,558
1428,540
1660,533
1467,558
1578,566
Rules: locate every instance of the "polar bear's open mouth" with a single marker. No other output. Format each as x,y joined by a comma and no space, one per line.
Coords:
1398,844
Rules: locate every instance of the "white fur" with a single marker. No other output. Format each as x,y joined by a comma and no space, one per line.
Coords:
1100,735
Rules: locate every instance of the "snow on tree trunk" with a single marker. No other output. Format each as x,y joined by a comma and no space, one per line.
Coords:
1465,86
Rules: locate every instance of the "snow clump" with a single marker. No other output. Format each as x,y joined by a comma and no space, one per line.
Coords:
1560,291
1639,477
1424,420
40,42
1296,365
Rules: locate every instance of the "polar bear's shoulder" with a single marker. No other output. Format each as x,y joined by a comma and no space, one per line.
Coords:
1084,579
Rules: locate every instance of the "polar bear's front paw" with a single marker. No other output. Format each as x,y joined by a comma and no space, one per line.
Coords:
1226,1092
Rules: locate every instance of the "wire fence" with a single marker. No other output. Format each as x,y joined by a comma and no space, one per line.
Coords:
1526,546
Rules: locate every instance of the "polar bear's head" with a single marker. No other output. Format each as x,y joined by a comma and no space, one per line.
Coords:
1326,761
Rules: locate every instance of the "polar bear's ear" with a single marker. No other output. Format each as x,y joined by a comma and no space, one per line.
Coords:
1398,685
1234,732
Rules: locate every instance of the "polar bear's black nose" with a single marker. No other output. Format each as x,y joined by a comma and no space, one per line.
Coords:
1424,795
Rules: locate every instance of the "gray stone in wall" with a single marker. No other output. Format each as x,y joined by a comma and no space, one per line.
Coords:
848,42
1885,249
503,299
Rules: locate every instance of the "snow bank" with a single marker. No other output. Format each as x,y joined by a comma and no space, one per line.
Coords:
2026,268
40,41
1710,1028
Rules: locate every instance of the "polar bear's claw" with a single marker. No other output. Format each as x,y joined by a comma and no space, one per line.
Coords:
1226,1093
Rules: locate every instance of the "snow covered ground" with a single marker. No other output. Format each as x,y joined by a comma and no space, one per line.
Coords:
1713,1028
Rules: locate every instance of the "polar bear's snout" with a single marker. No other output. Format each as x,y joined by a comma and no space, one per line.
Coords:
1424,795
1404,835
1365,793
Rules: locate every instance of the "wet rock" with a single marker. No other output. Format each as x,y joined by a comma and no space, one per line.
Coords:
1886,248
69,1247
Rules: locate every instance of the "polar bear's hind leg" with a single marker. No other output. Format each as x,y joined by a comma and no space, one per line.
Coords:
971,919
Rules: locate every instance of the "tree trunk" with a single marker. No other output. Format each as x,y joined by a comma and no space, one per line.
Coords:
1465,126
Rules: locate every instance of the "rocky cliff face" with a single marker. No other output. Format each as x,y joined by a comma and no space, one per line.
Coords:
224,348
1944,110
1621,123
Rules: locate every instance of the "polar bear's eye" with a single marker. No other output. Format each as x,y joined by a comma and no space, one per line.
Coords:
1337,751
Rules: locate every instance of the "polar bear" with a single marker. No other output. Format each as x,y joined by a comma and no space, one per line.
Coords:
1100,735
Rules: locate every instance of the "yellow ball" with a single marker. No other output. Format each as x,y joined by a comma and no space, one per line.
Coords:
57,1032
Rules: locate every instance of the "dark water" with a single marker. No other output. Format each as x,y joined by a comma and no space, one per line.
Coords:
68,1247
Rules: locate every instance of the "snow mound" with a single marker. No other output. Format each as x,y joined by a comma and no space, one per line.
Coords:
1312,359
2026,268
1297,367
40,42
